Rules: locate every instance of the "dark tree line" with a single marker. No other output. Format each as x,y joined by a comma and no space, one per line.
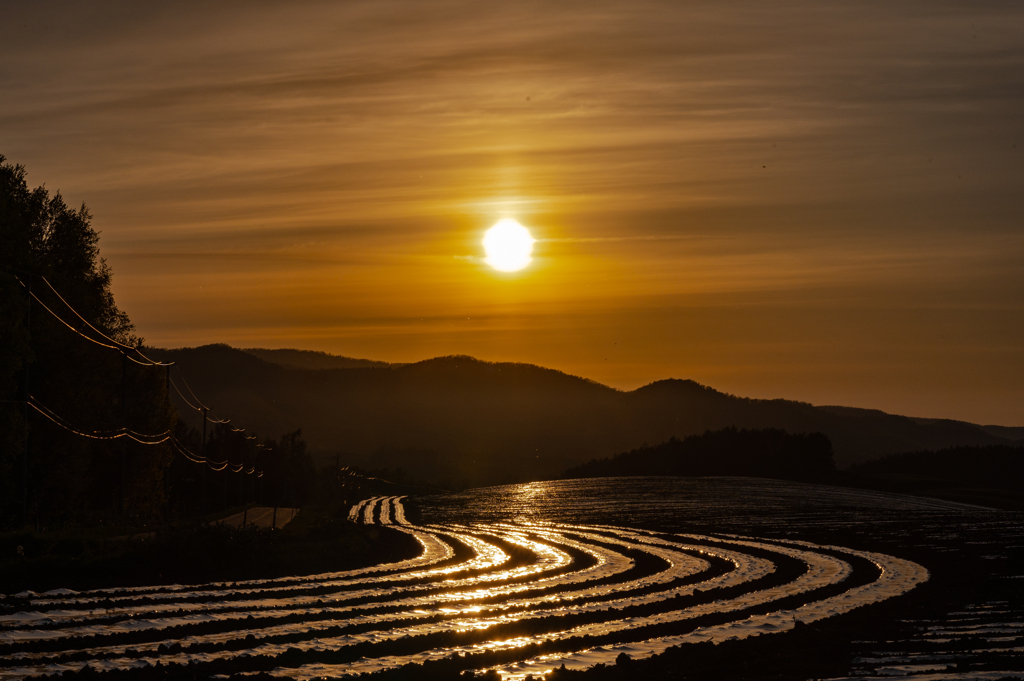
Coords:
768,453
997,467
48,475
66,476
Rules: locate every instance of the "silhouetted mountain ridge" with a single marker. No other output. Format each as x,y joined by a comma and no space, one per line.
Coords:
499,421
313,359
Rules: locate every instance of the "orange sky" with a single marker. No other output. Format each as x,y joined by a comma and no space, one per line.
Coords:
819,201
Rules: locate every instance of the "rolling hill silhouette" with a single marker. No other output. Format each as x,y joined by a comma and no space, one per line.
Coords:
459,420
314,359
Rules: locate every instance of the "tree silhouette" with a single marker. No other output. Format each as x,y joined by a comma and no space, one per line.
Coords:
768,453
67,477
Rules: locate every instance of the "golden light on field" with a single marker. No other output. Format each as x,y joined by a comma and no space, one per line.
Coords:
508,246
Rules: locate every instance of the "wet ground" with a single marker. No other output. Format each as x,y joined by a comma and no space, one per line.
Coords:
612,578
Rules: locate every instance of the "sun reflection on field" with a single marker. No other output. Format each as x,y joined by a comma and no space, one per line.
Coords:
529,589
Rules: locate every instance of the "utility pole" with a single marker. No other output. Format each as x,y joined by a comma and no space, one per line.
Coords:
227,469
124,424
241,473
259,462
264,458
252,476
245,515
241,476
28,431
206,463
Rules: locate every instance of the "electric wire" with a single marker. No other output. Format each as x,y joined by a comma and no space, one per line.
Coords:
76,432
58,318
183,397
114,434
189,388
145,364
194,458
124,346
141,438
75,312
185,452
146,442
121,347
153,361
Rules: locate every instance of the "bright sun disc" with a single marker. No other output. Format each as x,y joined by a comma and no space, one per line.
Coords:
508,245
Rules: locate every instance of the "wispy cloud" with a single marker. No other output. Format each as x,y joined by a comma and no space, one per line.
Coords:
327,159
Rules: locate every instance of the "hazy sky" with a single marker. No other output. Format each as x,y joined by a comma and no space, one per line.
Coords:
814,200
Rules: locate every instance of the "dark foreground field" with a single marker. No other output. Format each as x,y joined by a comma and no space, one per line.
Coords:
614,578
317,540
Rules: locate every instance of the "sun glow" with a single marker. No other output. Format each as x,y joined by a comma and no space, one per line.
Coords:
508,246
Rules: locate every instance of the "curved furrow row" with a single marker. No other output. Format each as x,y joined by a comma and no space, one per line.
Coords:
549,558
433,551
822,570
897,576
487,558
583,593
448,605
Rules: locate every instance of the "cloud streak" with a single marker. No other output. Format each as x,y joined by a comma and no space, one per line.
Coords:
339,162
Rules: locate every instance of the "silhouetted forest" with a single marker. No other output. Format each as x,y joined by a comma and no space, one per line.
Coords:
44,242
88,432
992,476
986,476
767,453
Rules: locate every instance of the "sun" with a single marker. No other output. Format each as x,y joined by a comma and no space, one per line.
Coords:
508,245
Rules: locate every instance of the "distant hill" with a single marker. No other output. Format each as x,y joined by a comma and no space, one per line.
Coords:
990,476
464,421
313,359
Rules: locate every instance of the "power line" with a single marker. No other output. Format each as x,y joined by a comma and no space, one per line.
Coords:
56,419
124,431
145,364
86,321
123,348
118,343
187,387
183,397
202,407
58,318
113,434
141,438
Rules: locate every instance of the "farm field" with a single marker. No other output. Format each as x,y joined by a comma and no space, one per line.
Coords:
610,578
